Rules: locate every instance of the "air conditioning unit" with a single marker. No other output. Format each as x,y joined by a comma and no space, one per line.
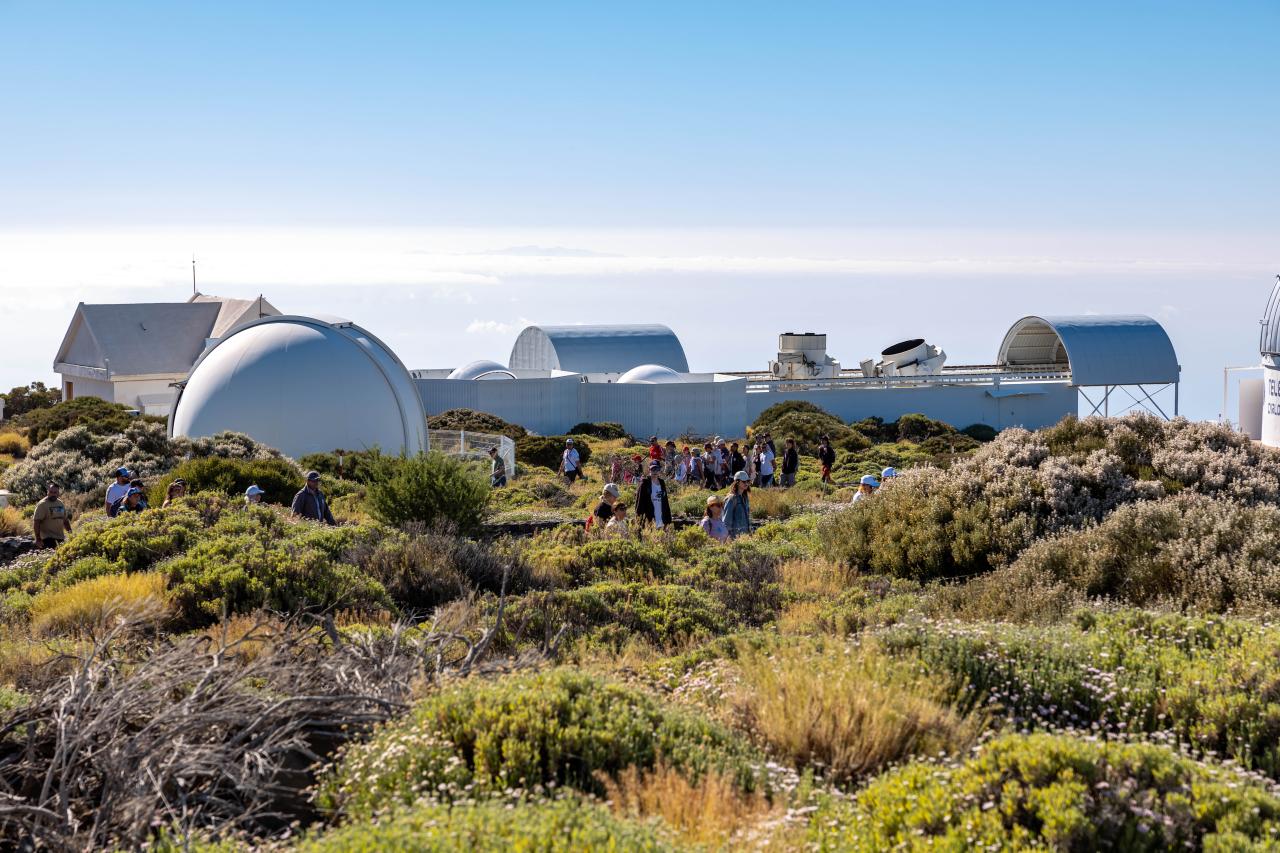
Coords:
803,356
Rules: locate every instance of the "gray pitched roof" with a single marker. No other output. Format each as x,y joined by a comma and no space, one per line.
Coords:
157,337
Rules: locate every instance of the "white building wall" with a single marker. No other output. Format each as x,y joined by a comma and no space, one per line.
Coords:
131,392
549,406
82,387
1037,405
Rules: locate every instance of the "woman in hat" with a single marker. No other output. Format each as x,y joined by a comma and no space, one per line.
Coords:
604,510
712,524
866,487
652,506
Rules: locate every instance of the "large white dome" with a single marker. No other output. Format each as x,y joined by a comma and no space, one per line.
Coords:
303,385
650,374
483,370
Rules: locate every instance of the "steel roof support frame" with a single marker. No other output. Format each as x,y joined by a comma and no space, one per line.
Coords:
1145,399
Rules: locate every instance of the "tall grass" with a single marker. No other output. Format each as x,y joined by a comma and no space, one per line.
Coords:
97,603
711,813
12,523
846,710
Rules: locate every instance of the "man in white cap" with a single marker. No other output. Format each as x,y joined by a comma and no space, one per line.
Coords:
253,494
866,488
570,466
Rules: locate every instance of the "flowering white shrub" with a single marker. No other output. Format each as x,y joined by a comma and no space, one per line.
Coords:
83,461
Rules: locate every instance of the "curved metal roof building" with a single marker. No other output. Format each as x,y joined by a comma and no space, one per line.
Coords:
303,385
597,349
1128,349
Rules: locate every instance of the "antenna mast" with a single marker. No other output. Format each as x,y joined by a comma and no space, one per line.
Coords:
194,292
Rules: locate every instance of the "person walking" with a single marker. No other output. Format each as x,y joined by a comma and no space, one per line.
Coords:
790,463
866,488
652,506
118,489
712,524
310,502
570,464
497,469
135,483
737,509
52,520
253,495
604,510
737,462
826,457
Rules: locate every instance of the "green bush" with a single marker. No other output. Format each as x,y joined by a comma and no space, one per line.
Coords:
99,416
611,614
804,422
1207,684
566,824
1054,792
357,465
918,428
980,432
545,451
254,559
605,431
279,478
556,728
473,421
430,488
26,398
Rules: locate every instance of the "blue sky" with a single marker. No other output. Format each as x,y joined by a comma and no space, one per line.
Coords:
1118,156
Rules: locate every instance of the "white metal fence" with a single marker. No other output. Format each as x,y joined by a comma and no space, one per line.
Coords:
474,445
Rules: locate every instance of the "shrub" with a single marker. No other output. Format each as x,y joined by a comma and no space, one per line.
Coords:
709,814
546,450
473,421
357,465
1188,550
806,423
606,431
612,614
252,562
566,824
430,488
12,523
96,415
1207,684
91,605
555,728
14,445
980,432
1059,792
83,460
918,428
845,711
279,478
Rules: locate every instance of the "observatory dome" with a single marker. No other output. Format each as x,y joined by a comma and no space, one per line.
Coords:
650,374
482,369
596,349
303,385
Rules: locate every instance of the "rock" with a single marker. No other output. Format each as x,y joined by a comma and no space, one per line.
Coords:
13,547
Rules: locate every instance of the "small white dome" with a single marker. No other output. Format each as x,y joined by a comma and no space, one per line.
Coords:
303,385
482,369
651,374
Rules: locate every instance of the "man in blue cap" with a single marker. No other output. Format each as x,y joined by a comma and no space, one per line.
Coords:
131,502
310,502
117,490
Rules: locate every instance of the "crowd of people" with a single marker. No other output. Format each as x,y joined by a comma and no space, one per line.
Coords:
51,521
716,465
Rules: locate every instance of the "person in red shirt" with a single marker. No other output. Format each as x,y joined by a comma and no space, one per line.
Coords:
655,449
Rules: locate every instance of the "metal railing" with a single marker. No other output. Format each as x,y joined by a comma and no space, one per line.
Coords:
474,445
983,374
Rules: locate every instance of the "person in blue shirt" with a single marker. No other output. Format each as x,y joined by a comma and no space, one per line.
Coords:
310,502
737,509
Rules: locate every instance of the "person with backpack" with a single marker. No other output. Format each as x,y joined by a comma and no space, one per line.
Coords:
826,457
